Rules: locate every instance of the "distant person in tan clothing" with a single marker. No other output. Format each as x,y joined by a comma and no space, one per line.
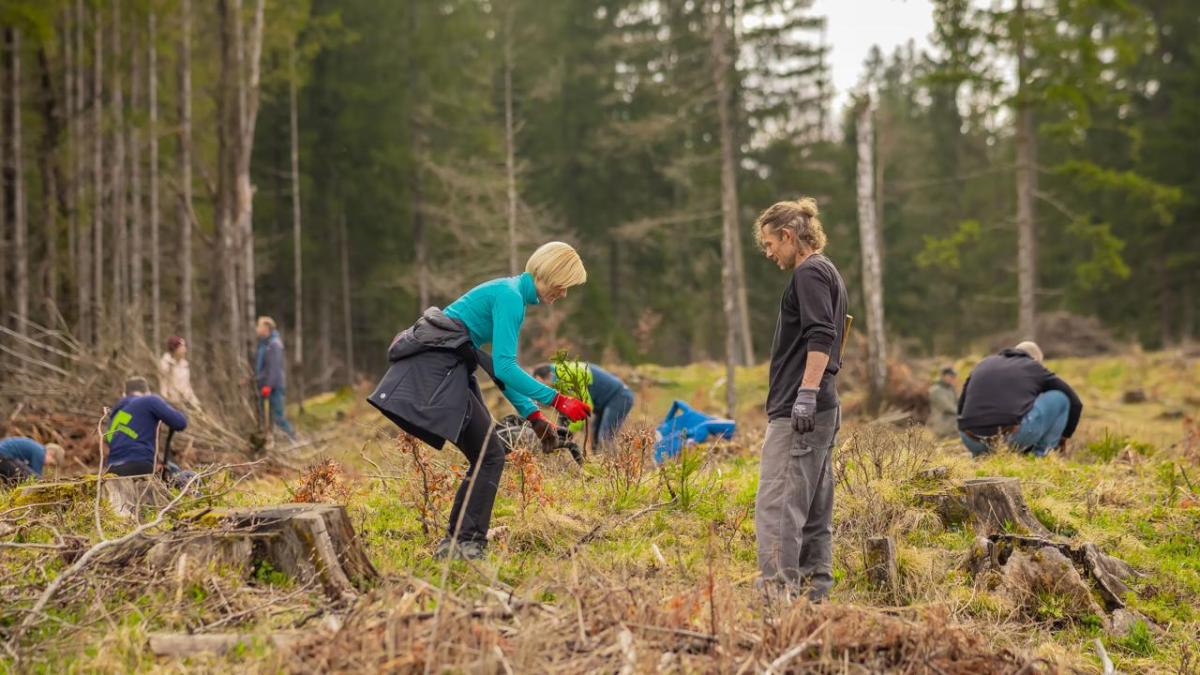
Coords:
943,405
174,374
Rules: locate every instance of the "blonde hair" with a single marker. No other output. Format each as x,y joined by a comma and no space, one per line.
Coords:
799,217
54,453
1032,349
557,264
266,321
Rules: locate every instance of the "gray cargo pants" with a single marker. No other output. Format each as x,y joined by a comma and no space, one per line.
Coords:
793,516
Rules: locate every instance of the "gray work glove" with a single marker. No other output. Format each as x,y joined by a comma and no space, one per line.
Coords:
804,410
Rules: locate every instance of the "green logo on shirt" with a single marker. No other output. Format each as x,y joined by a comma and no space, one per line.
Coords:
120,423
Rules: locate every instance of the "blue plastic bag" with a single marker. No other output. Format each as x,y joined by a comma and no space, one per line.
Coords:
684,425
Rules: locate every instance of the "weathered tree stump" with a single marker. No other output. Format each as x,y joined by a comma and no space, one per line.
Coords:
1108,573
304,541
997,506
1046,571
982,557
951,508
129,496
880,559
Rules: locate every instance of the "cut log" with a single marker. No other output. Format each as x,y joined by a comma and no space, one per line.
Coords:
181,645
997,506
880,558
305,542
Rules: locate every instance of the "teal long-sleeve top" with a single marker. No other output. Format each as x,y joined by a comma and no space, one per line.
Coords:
493,312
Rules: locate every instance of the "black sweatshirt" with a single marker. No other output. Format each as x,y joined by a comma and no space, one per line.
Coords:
1002,389
812,317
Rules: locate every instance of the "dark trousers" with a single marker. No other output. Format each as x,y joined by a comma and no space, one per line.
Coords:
138,467
484,450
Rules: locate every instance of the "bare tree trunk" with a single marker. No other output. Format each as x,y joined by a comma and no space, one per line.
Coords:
1027,180
248,99
510,167
83,258
872,267
418,216
185,169
20,224
324,336
297,241
152,109
729,211
5,202
137,252
67,44
120,269
347,314
223,309
98,177
54,207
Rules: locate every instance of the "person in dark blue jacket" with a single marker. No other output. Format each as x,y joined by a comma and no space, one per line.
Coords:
132,428
610,399
22,457
269,373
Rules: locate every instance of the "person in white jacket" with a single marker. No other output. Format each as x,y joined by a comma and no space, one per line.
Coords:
174,375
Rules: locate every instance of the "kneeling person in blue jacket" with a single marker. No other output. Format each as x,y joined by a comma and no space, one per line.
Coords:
132,428
610,398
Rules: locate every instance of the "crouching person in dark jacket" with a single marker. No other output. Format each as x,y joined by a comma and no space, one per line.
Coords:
1012,398
132,430
431,391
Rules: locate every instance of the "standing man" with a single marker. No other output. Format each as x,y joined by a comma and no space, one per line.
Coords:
610,398
1012,398
943,404
268,370
793,517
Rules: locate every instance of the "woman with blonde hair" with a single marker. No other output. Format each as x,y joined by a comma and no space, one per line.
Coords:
431,392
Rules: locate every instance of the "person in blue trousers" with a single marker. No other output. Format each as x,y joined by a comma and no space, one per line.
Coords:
1012,398
610,398
269,373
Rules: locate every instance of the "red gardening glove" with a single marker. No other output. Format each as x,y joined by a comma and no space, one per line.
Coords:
573,408
266,391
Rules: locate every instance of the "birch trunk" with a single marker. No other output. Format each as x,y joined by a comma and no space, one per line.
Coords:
185,169
53,210
872,271
223,308
728,212
153,211
1026,177
297,241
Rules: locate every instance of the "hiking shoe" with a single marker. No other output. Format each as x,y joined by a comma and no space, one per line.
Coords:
443,549
471,550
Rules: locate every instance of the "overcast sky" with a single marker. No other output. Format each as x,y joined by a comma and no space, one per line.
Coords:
855,25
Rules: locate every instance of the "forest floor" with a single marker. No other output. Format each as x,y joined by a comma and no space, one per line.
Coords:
621,566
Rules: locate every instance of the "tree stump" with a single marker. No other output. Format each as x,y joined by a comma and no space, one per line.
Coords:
1029,577
997,506
950,508
129,496
304,541
880,558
